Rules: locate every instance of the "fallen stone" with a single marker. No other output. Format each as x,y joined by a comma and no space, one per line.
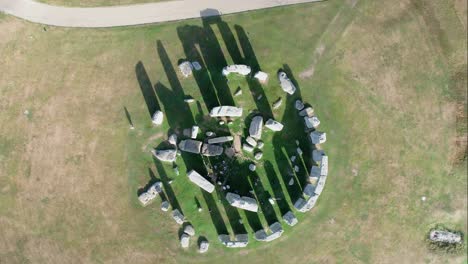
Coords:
190,145
272,201
244,202
299,105
189,230
184,240
256,125
220,140
178,216
445,236
236,68
226,110
168,155
158,117
251,141
211,150
309,111
221,122
146,197
258,155
277,103
196,65
185,68
286,83
274,125
200,181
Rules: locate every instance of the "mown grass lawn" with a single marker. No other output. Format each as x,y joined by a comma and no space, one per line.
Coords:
383,78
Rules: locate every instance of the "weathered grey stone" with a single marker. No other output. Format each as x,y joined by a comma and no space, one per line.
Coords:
293,158
252,167
247,147
210,134
168,155
277,103
305,205
241,240
199,180
318,137
190,145
299,151
172,139
291,182
244,202
286,83
445,236
184,240
299,105
308,111
178,216
165,206
189,100
220,140
290,218
258,155
296,168
317,155
260,144
311,122
196,65
157,118
261,76
194,132
251,141
146,197
276,232
236,68
309,189
320,185
274,125
185,68
211,150
226,110
256,125
203,247
189,230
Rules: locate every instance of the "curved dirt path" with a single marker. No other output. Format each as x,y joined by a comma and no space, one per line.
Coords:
113,16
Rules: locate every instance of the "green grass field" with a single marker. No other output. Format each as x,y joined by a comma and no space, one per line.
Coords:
385,79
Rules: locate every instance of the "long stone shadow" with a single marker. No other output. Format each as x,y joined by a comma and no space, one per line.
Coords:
215,214
171,196
276,186
262,197
251,59
294,129
146,89
177,112
233,216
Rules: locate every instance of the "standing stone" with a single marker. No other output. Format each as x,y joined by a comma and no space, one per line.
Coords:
251,141
258,155
308,111
256,125
168,155
252,167
189,230
204,245
260,144
318,137
277,103
299,105
158,118
286,83
185,68
184,240
178,216
311,122
194,132
165,206
247,147
173,139
299,151
261,76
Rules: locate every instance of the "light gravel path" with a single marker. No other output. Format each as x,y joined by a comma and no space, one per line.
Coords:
113,16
